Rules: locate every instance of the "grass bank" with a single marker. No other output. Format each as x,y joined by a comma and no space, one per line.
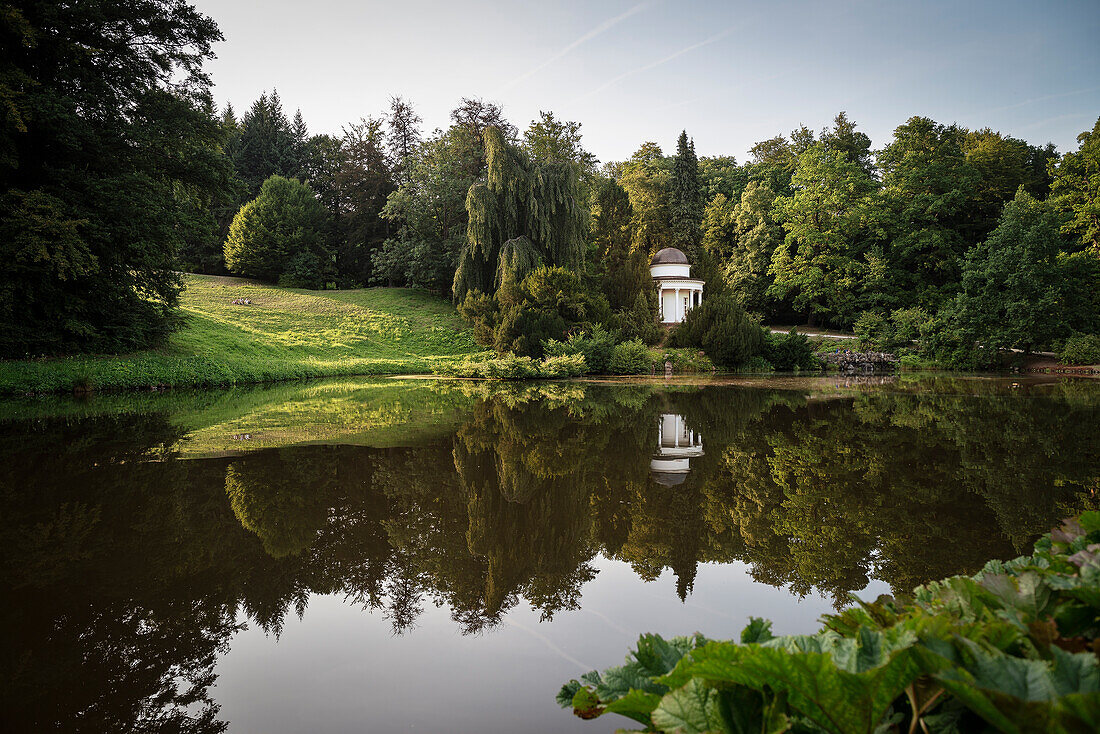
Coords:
284,334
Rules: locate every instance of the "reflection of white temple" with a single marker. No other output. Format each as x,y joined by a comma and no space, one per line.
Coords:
676,445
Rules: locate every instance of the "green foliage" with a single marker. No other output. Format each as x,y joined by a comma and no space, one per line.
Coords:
686,199
522,201
1021,289
1081,349
999,648
1075,189
511,367
281,235
790,351
596,345
831,225
722,329
630,358
110,154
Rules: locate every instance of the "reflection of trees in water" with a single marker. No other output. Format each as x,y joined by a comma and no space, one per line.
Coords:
132,571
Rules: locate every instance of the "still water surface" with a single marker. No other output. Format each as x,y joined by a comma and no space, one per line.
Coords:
415,555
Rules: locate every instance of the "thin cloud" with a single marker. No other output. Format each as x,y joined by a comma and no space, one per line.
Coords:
615,80
1035,100
598,30
1059,118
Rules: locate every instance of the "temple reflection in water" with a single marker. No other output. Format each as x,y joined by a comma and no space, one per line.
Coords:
677,445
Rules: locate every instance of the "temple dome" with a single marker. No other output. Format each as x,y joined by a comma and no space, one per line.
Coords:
669,256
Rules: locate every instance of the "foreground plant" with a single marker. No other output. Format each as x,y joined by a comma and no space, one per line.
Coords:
1013,649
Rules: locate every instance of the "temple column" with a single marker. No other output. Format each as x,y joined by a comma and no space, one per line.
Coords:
679,307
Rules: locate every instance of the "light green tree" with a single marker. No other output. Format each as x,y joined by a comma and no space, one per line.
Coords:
281,236
1076,189
831,223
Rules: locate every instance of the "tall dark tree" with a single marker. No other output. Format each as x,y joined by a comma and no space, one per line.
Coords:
110,155
686,199
402,137
472,117
267,143
624,265
362,182
299,134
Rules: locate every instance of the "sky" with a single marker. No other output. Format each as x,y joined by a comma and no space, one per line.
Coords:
730,73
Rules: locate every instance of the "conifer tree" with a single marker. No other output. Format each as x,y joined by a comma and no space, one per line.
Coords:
300,137
686,199
403,136
267,143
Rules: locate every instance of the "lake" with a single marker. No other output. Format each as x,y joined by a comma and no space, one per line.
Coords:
409,554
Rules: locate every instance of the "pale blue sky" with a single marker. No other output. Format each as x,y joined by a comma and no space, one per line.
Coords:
731,73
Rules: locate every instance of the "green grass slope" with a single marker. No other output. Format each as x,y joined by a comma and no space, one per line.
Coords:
285,334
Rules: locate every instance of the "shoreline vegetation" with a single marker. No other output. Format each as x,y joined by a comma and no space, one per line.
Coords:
239,332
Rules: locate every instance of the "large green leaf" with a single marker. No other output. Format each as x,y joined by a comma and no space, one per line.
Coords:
692,709
842,685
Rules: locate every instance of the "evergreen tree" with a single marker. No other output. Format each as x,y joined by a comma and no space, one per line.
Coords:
267,143
403,137
300,137
361,183
686,200
624,266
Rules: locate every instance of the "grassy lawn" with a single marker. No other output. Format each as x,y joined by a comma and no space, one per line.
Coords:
284,334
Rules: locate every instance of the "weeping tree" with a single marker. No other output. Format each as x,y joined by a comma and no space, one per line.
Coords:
523,215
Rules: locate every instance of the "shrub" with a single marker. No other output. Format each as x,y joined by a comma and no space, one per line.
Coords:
756,364
790,351
511,367
567,365
596,345
630,358
1081,349
873,330
721,327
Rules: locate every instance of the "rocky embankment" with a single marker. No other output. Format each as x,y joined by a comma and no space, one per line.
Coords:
846,360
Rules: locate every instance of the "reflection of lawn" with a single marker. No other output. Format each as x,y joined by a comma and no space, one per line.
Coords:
368,413
284,334
363,411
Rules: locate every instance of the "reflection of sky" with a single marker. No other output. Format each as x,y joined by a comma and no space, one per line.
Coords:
341,669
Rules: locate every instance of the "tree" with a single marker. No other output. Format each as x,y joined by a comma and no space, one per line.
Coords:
429,212
830,224
928,186
299,134
728,335
645,178
361,183
526,213
625,267
757,235
686,199
1020,288
281,236
550,140
110,157
1003,165
843,138
267,144
474,116
1076,189
403,136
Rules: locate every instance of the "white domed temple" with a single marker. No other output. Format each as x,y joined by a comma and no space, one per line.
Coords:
677,291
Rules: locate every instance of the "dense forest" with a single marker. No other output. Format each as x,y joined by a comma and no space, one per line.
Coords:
118,171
